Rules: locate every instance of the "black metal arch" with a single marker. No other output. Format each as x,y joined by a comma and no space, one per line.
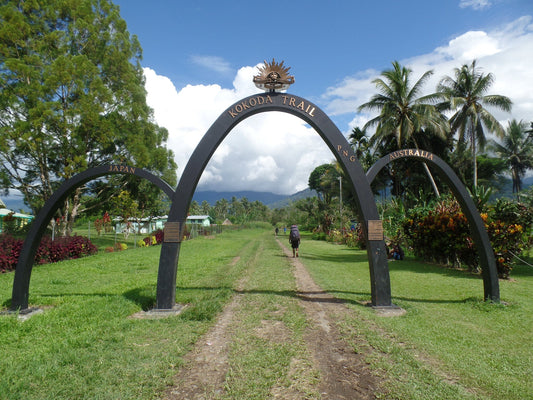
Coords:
477,227
21,283
311,114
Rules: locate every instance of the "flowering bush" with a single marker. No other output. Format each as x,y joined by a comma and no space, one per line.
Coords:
120,246
9,252
351,238
154,238
442,234
49,250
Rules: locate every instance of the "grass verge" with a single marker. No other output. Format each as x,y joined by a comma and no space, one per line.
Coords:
450,344
85,345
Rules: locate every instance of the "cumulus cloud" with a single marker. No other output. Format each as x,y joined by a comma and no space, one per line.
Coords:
506,52
271,151
276,151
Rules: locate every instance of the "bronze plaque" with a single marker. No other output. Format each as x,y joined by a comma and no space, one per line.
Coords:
375,230
172,232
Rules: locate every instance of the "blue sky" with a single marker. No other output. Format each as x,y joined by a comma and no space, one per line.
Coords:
200,56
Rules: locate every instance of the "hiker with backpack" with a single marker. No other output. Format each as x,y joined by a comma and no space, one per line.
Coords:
294,239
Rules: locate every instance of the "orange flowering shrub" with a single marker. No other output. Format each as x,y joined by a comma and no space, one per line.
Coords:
441,234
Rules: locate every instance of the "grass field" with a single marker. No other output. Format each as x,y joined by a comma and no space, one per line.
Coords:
454,343
449,344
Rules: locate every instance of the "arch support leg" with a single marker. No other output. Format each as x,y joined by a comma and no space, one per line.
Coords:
166,276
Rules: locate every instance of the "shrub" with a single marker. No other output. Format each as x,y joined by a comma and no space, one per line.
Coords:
120,246
49,250
9,252
155,237
319,236
442,234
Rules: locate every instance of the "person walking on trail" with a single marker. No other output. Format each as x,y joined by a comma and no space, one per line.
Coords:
294,239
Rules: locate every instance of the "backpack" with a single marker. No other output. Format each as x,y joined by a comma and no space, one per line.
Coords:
295,233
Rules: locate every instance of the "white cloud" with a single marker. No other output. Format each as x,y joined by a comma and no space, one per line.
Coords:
271,151
214,63
475,4
506,52
276,151
471,45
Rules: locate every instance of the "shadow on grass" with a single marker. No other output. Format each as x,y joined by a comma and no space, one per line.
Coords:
343,255
6,303
142,296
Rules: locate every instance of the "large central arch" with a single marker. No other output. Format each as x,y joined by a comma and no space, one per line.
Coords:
311,114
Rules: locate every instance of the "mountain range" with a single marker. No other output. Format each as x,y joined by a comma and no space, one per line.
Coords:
272,200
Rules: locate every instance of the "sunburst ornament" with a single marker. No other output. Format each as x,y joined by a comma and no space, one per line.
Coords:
273,77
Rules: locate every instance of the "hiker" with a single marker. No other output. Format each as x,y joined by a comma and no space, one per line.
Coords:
276,230
397,252
294,239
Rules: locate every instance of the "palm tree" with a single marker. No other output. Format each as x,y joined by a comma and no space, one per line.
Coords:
362,147
517,150
402,114
465,94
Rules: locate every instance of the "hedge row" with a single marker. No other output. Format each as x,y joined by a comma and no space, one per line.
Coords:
49,250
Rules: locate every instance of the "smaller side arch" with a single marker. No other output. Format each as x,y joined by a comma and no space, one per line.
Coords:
21,283
477,227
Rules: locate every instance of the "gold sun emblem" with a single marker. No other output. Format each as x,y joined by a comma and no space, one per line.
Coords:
273,77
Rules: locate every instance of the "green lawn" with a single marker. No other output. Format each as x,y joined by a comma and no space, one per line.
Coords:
454,343
85,346
450,344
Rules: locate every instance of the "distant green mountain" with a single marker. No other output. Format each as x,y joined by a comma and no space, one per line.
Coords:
269,199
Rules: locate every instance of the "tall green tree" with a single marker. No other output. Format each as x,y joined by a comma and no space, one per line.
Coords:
404,117
466,96
362,146
516,149
221,210
72,97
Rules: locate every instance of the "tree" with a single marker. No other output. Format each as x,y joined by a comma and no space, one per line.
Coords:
194,208
205,207
465,95
321,179
221,210
402,114
362,146
72,97
516,150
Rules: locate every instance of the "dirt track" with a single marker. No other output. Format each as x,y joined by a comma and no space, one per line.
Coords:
344,374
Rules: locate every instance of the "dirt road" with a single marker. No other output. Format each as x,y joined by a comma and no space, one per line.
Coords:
344,374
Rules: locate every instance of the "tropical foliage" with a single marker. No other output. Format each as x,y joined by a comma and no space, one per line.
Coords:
72,97
440,233
466,96
516,150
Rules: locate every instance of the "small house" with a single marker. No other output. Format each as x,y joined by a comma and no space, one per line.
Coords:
203,220
18,220
140,225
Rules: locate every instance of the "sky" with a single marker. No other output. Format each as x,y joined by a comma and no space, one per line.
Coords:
199,57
